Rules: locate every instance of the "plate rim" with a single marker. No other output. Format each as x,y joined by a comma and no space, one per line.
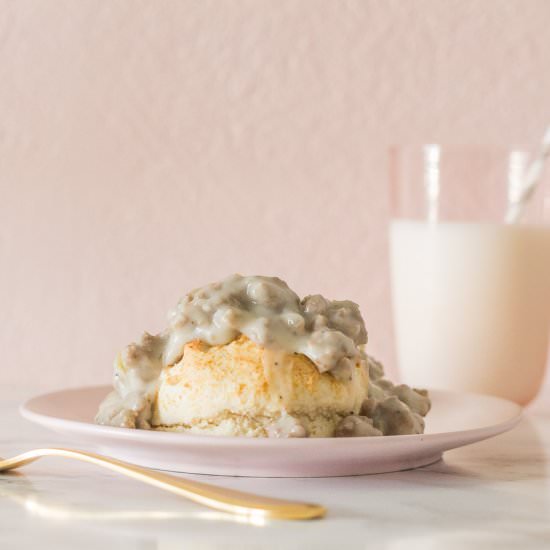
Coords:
25,409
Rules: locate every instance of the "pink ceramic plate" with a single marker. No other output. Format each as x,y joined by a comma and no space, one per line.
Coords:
456,419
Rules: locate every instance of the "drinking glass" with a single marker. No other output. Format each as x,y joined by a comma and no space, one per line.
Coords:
470,293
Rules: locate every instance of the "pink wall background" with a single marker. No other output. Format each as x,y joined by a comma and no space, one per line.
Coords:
149,147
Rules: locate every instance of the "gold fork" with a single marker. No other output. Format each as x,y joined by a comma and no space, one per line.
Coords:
219,498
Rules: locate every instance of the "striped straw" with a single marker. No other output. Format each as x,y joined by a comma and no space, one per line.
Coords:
530,182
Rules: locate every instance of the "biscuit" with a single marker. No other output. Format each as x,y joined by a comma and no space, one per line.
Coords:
244,389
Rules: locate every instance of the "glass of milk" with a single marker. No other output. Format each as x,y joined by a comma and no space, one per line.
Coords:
471,294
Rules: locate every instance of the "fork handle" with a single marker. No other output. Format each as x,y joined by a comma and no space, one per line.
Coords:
219,498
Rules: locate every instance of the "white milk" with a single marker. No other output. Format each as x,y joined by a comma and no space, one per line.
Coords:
472,305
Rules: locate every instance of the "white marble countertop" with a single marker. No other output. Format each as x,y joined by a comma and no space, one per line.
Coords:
494,494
